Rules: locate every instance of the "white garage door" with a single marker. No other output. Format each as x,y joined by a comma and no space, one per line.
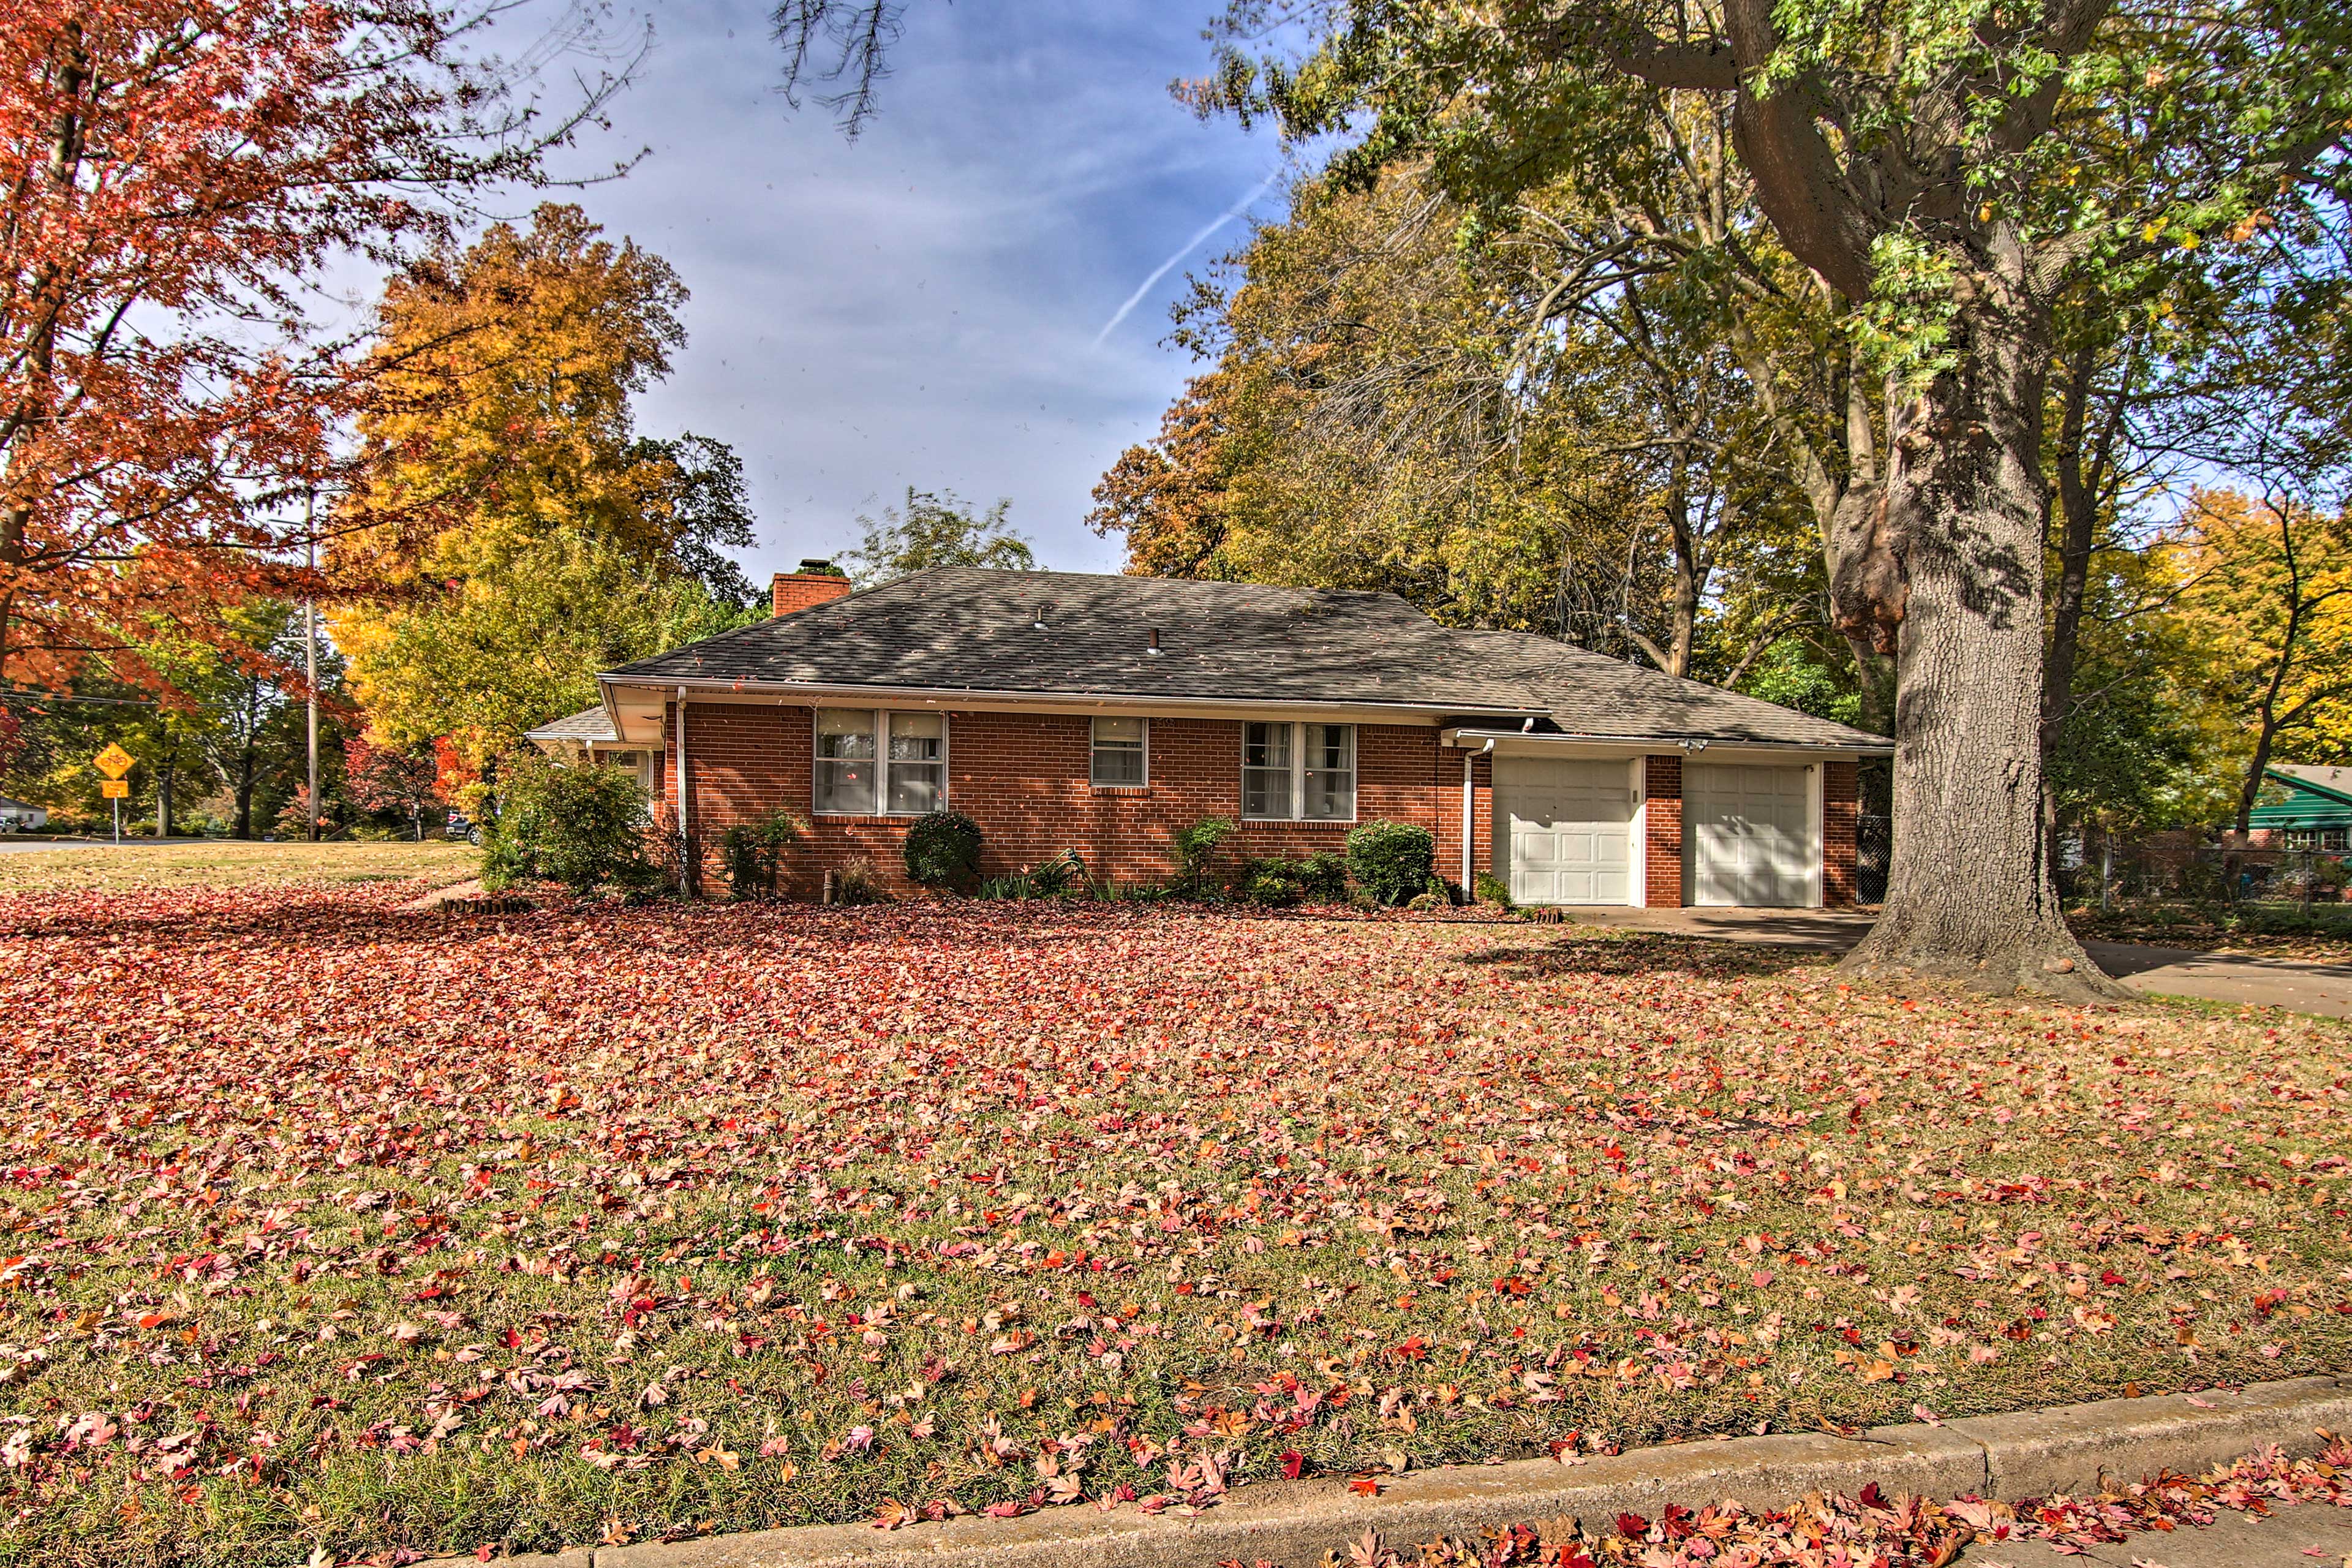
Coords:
1751,833
1563,830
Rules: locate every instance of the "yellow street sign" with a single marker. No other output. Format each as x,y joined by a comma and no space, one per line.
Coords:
114,789
114,762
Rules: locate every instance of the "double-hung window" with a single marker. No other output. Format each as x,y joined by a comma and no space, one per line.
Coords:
1121,755
871,763
1293,773
918,763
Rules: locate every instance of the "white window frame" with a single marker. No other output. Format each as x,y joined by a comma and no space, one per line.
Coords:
1298,771
882,782
880,718
1094,751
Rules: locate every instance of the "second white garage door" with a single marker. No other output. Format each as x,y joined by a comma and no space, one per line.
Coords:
1751,835
1563,830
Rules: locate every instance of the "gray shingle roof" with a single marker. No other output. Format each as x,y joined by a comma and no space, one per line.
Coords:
590,724
967,629
1589,693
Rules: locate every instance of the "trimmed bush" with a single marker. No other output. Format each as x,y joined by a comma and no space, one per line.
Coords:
943,850
1393,861
583,827
755,852
1492,890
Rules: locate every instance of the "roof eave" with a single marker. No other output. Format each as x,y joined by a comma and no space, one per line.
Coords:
862,691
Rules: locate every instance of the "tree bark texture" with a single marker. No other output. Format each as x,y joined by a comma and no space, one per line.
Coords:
1953,538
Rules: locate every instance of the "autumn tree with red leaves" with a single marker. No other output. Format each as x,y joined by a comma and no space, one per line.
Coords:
175,170
382,776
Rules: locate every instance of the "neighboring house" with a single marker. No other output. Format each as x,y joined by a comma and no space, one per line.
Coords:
2302,807
1104,714
588,738
16,816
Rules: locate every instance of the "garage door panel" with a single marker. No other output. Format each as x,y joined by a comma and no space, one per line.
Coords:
1751,835
1561,830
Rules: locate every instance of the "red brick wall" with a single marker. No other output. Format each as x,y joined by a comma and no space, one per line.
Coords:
1661,846
1840,798
1447,794
791,591
1024,778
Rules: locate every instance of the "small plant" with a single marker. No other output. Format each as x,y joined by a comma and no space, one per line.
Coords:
585,827
859,882
754,852
1058,876
943,850
1391,860
1424,903
1196,852
1492,890
1114,892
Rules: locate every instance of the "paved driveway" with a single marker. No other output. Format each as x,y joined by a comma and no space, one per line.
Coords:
2325,989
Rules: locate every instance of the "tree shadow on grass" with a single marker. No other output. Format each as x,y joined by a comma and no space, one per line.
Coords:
1641,953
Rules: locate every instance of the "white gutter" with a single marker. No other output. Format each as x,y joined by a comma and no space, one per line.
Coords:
1463,737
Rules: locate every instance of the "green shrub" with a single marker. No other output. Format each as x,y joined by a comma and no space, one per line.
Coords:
583,827
1277,883
1391,860
1422,903
754,852
1196,852
1272,884
1324,876
1492,890
943,850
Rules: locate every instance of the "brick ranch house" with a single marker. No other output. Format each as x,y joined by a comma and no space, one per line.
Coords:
1104,713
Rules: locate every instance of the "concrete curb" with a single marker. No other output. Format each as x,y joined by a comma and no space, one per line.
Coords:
1292,1525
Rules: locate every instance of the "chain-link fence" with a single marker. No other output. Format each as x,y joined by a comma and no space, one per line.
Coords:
1874,851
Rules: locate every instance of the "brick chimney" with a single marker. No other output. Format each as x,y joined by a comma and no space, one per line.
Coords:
816,583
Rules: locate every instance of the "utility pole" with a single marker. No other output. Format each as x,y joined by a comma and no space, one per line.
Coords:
310,650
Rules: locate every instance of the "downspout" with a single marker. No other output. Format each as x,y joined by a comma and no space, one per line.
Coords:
1470,808
685,867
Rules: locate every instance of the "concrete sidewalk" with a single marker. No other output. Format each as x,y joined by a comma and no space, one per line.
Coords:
2325,989
2309,1536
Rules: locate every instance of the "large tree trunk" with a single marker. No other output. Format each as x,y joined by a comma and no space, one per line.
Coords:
1945,563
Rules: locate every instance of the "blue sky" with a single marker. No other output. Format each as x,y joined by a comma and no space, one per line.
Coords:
927,305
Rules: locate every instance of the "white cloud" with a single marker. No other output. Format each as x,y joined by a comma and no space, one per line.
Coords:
920,307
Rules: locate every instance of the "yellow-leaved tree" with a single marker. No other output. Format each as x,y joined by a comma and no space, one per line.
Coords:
514,533
2267,591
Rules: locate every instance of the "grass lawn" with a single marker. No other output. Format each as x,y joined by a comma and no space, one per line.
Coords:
332,1226
229,863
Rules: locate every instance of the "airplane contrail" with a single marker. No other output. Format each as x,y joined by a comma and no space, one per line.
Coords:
1191,245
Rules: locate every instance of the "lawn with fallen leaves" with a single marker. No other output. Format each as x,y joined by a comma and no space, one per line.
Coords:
334,1228
229,862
